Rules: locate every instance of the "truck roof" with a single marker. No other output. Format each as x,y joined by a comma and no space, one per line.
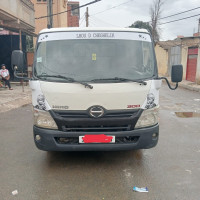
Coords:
63,29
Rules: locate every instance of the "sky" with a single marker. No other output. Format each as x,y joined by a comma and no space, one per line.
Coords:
103,15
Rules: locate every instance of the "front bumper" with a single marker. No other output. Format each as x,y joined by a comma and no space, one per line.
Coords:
48,141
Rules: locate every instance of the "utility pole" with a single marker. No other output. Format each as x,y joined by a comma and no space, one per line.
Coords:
87,17
49,13
199,28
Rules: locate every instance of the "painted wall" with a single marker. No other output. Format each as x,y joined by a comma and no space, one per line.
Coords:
41,10
184,56
162,60
186,43
163,57
198,68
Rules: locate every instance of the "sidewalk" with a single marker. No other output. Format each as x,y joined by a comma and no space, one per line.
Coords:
12,99
189,85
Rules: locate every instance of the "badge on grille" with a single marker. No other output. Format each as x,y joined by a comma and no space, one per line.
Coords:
96,111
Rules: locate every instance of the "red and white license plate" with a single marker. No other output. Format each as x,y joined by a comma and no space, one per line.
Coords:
97,139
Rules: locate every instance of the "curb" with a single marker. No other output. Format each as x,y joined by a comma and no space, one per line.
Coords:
16,103
189,87
185,84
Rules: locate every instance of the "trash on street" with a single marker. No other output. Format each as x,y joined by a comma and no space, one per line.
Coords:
15,192
143,189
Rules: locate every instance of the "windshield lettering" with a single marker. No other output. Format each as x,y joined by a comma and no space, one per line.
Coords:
81,35
104,35
94,35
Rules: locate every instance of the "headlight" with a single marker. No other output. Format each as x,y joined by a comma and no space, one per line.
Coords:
43,119
149,117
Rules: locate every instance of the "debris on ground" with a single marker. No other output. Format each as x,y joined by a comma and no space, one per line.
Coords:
142,189
187,170
15,192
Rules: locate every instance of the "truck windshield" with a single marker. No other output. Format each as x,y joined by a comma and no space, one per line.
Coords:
86,60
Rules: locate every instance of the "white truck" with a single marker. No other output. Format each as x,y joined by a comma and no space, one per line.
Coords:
95,89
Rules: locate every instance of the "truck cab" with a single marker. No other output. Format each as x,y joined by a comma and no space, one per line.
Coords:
95,89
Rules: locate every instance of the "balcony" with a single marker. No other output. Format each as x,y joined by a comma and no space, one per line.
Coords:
17,15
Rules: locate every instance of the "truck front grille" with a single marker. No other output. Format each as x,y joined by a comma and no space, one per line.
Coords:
83,114
101,128
81,121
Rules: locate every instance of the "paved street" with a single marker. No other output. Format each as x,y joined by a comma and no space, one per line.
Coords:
171,170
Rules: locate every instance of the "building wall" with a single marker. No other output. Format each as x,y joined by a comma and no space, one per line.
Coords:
17,14
73,17
186,43
162,60
61,19
41,10
184,56
198,68
163,57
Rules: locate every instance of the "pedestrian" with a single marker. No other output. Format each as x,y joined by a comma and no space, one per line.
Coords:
4,73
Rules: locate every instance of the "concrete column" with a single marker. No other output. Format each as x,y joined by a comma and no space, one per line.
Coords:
20,39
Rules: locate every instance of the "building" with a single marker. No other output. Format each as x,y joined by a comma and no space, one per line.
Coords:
183,50
41,10
17,16
73,14
17,21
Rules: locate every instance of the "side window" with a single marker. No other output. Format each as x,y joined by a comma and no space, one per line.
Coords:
148,63
41,58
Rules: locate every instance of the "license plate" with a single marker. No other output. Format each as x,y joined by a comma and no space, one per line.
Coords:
97,139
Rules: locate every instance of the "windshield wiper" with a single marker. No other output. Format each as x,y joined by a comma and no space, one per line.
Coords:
119,79
66,78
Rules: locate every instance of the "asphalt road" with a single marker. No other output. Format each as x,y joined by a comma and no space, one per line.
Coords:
171,170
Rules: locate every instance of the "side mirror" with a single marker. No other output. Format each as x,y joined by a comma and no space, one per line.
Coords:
177,73
17,59
176,76
17,62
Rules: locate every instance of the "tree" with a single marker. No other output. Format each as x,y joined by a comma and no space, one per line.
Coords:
155,12
141,24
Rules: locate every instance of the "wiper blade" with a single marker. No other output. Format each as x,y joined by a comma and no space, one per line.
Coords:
66,78
119,79
125,79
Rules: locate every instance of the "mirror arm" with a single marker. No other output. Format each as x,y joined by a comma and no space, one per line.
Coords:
20,77
169,83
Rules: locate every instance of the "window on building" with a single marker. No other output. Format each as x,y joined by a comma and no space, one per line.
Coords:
74,11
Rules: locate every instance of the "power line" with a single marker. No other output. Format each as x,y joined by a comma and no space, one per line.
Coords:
180,13
69,9
82,16
81,21
102,21
93,23
179,19
113,7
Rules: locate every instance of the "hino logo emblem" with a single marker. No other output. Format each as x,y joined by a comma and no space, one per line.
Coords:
96,111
